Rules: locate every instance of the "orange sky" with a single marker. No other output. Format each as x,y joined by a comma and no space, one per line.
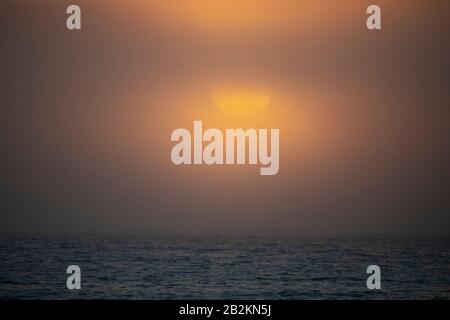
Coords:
362,116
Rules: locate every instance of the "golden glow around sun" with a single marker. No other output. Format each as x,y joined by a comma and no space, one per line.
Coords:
241,102
223,14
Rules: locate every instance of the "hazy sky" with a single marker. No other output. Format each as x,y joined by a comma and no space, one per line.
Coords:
86,116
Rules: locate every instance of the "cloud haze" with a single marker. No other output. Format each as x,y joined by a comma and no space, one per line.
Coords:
87,116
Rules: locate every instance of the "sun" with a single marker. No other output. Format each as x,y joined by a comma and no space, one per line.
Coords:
241,102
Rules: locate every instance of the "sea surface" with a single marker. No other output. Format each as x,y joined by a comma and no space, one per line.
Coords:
224,267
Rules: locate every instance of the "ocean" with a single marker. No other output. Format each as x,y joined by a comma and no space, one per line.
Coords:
224,267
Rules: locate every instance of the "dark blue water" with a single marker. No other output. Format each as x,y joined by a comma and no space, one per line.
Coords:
211,267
